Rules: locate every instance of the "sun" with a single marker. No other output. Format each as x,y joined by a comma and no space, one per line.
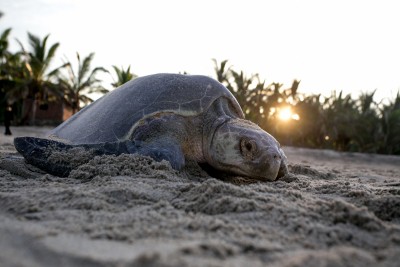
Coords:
286,114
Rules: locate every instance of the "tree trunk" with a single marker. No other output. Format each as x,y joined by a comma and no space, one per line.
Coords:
76,104
33,114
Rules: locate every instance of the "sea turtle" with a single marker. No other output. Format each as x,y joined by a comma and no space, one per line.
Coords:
165,116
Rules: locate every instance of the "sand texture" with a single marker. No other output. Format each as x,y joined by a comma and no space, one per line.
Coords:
334,209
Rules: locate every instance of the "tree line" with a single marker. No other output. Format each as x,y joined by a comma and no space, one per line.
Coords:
335,122
26,74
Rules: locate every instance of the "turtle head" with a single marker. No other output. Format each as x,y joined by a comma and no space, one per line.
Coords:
242,148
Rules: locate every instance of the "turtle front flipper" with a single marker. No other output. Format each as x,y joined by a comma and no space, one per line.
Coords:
60,159
37,151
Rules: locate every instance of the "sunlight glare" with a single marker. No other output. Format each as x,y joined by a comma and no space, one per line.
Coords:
286,114
295,117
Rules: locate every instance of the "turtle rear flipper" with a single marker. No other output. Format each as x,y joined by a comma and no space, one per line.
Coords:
37,151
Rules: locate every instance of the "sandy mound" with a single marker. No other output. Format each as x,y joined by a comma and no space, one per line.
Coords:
335,209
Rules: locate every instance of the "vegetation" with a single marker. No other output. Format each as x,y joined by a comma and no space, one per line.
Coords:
78,84
336,122
38,83
10,72
123,76
27,83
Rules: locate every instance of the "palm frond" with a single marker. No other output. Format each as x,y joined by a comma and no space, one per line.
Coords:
4,41
50,55
84,66
91,80
85,99
57,70
123,76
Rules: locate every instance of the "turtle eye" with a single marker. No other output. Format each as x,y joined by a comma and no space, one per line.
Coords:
248,148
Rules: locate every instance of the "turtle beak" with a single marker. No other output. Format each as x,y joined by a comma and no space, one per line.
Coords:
274,162
283,169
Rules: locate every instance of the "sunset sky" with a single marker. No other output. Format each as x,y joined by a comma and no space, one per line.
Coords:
328,45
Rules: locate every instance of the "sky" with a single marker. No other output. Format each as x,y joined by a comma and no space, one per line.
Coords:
337,45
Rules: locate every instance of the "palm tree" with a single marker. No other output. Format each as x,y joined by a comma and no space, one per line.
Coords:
340,116
38,81
237,83
241,89
11,76
254,96
4,45
4,55
390,122
123,76
368,134
77,84
4,58
310,129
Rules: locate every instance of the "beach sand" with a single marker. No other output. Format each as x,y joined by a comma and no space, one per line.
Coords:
334,209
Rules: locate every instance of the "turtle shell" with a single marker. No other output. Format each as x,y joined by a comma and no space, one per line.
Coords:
112,117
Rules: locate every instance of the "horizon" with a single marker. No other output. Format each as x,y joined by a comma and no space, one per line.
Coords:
335,46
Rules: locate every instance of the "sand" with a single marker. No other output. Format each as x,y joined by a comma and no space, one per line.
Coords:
334,209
